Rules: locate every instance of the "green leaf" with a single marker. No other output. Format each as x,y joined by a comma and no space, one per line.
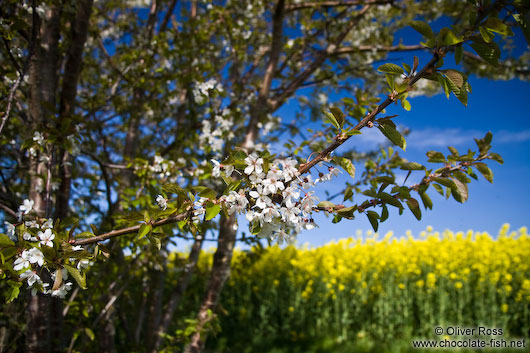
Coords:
489,52
388,129
76,274
234,186
5,241
423,28
255,228
427,202
331,118
12,291
446,37
212,210
405,104
412,166
326,204
85,235
339,115
455,76
414,207
495,25
351,132
406,67
155,242
436,157
172,188
208,194
486,34
390,68
348,193
485,171
144,230
389,199
348,166
462,96
384,214
438,188
460,192
462,177
373,218
347,212
445,182
523,20
459,54
90,334
496,157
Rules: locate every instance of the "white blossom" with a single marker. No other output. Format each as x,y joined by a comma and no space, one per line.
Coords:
22,261
39,138
48,224
36,256
26,206
162,202
83,264
62,290
271,185
28,237
11,230
254,164
216,170
31,277
46,237
262,200
308,202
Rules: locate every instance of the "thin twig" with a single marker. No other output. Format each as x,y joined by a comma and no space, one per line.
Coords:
24,69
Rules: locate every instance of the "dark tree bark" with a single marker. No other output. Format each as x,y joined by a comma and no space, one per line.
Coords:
220,272
177,294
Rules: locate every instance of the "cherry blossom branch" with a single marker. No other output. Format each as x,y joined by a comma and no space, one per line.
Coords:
426,180
129,230
392,97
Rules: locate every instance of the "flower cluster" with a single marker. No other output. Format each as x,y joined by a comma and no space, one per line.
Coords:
276,202
214,133
36,235
201,91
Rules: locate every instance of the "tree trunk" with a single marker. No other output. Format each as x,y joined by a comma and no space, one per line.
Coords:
43,84
220,272
72,71
182,285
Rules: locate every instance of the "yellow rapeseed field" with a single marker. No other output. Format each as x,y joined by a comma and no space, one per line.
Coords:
381,288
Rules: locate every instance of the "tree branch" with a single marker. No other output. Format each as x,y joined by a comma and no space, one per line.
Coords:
330,49
340,138
129,230
363,48
312,4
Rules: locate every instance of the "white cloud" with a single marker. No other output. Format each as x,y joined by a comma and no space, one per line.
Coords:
439,138
504,136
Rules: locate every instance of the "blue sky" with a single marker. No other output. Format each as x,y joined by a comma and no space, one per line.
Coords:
496,106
